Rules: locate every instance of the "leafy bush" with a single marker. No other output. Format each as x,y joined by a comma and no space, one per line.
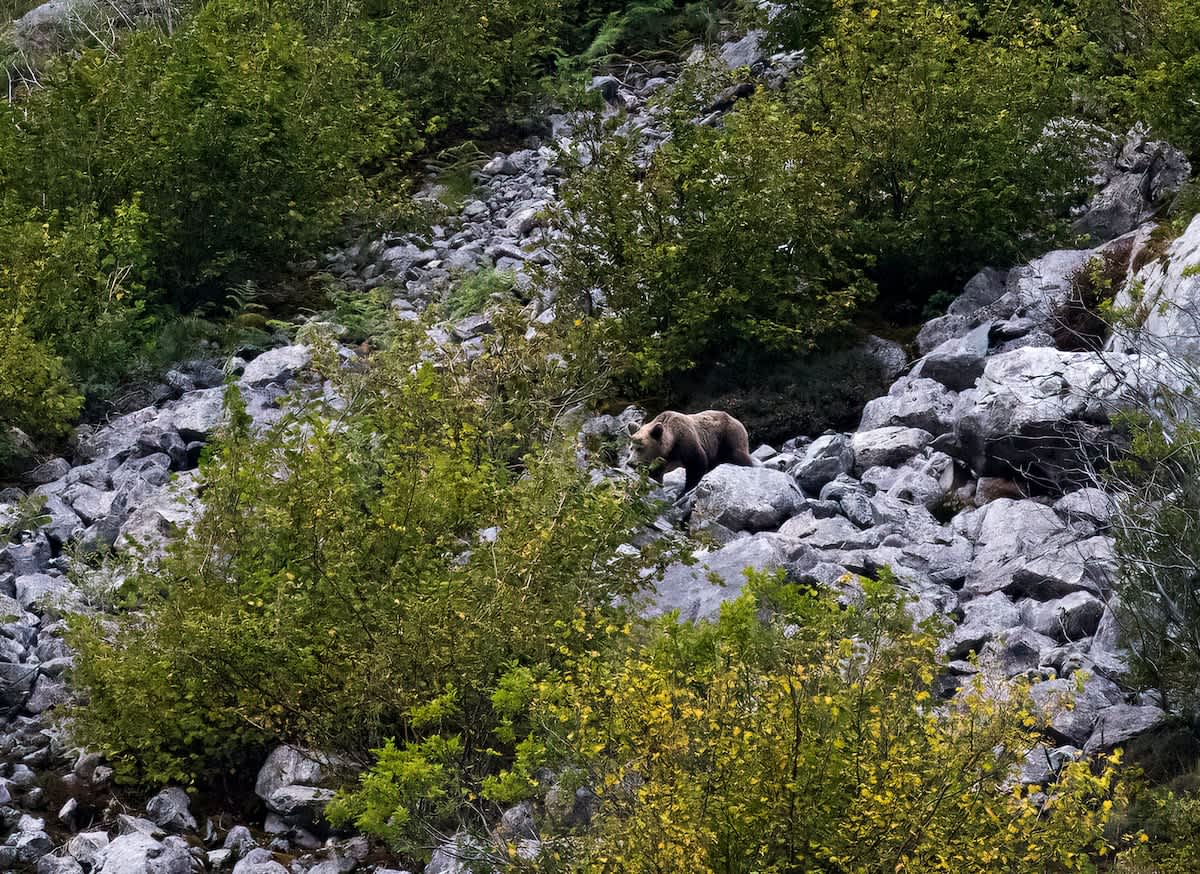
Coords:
241,139
913,150
936,119
1146,64
807,742
728,246
825,390
35,395
366,574
1156,546
471,293
595,30
459,63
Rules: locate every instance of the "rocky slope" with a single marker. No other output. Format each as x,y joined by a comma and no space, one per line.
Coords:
994,419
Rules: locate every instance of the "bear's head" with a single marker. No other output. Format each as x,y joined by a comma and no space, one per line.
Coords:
647,444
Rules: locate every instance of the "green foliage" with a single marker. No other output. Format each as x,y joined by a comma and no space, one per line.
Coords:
460,63
597,30
936,117
472,293
239,138
35,395
1158,554
1169,840
338,591
1146,63
727,247
825,390
808,741
912,151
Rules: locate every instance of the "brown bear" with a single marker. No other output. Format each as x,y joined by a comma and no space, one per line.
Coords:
695,441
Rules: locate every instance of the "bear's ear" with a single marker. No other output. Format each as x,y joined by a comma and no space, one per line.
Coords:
656,432
632,428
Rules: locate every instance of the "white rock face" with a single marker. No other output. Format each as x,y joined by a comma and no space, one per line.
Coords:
698,590
745,498
1170,289
1038,411
277,365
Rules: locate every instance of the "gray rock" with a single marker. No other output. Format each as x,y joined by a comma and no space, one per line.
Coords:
937,331
473,326
30,557
160,516
1072,713
1107,649
1144,173
460,855
1064,565
745,498
1007,535
136,825
85,847
982,290
835,533
1042,764
825,459
300,802
195,416
88,502
240,840
1015,652
65,525
47,693
1044,284
857,507
888,354
1041,412
47,472
1168,302
42,592
1088,505
58,865
745,52
1122,722
501,165
117,439
517,822
958,362
259,861
287,766
984,619
912,402
30,839
698,590
138,853
171,809
1066,619
915,487
278,365
887,447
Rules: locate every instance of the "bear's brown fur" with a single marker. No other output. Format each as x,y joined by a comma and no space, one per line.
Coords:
697,442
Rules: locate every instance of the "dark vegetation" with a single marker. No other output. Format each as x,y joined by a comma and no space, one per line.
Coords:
427,584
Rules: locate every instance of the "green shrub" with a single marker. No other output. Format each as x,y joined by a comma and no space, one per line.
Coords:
807,741
472,293
729,246
35,395
936,119
913,150
337,591
241,139
1145,58
461,64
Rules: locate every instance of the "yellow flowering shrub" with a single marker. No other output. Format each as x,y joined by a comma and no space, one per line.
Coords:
809,741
